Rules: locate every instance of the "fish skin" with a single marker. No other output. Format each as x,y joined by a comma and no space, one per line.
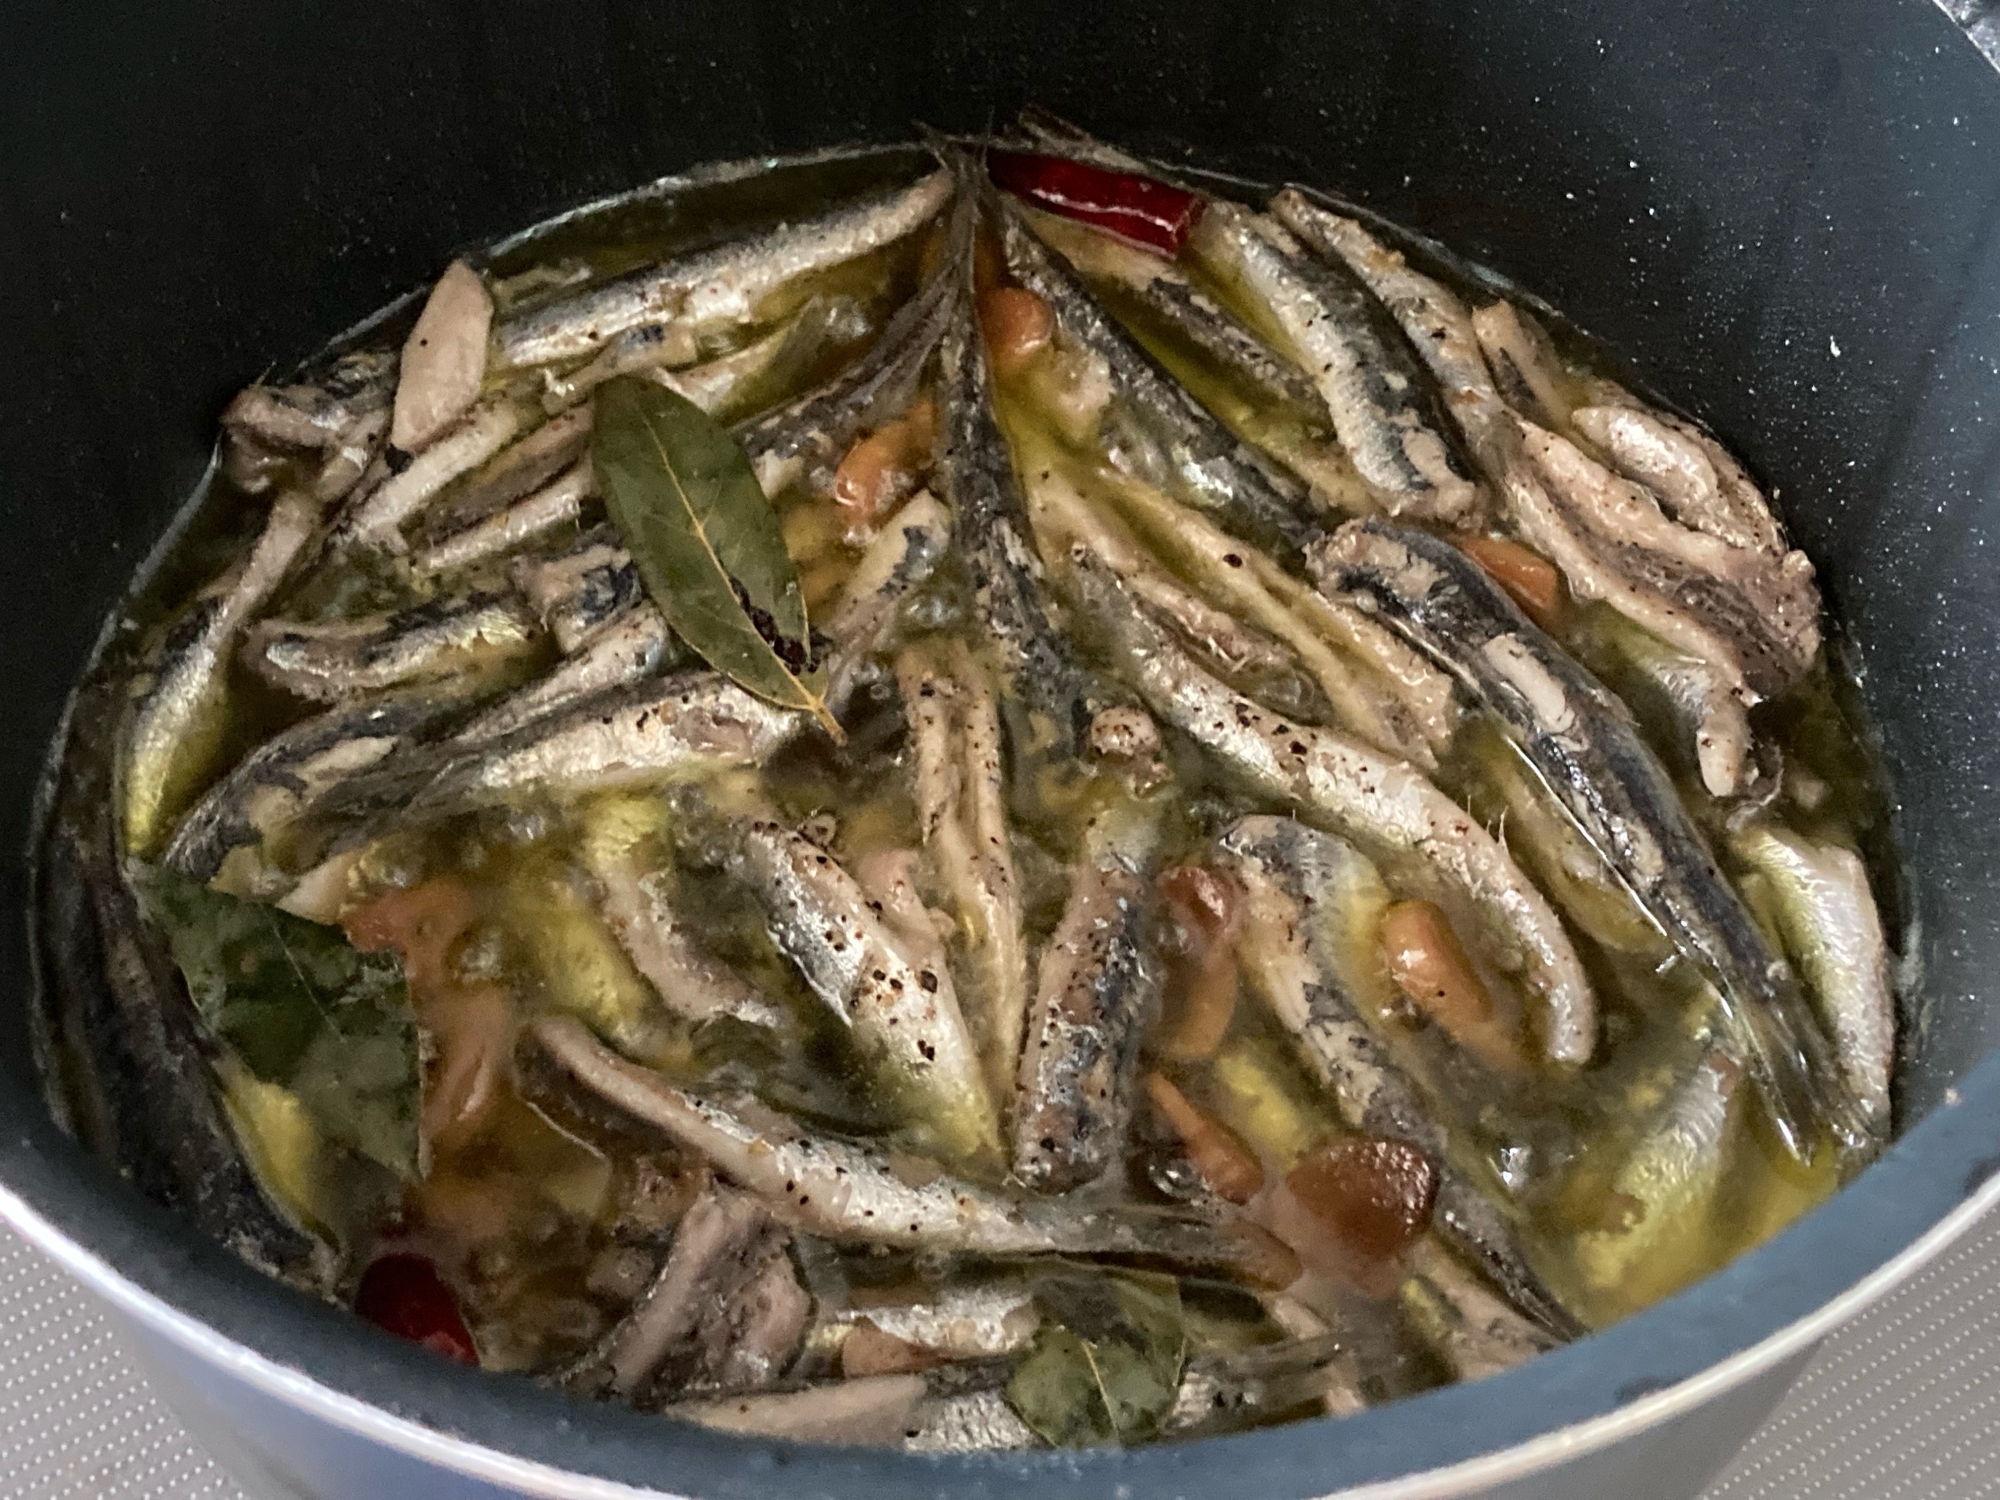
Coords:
187,681
320,414
375,517
1226,1390
622,651
823,1185
1829,921
968,1422
1207,463
1290,874
1347,787
560,502
959,1322
1385,409
1431,315
1582,742
1526,370
1095,990
902,555
289,777
684,1332
1475,1331
958,760
637,904
516,471
721,287
902,1014
340,660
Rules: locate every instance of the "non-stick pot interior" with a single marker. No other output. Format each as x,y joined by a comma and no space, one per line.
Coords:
1784,216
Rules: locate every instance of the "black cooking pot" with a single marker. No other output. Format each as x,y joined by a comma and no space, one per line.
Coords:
1786,216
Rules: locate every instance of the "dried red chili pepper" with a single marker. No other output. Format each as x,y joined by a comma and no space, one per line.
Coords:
405,1294
1139,209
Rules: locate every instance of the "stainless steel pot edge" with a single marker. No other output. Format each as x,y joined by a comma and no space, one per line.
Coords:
540,1480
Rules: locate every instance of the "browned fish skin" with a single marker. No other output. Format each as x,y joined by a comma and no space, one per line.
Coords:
1093,996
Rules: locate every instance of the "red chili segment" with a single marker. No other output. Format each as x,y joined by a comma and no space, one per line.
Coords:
1139,209
406,1295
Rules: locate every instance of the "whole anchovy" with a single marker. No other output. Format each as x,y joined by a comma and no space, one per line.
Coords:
1582,741
903,1015
848,1192
649,731
1431,315
1344,785
1832,926
876,1410
515,471
961,794
994,539
1293,877
1205,461
1383,404
719,288
173,727
277,786
558,503
634,645
805,439
327,661
1094,994
687,1329
1164,290
375,517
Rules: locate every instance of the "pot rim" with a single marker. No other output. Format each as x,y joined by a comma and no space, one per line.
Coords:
1964,1123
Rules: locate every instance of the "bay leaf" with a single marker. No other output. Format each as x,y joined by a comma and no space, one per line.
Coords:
1105,1367
300,1008
688,507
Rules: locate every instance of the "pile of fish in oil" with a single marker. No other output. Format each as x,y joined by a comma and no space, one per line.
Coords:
1340,866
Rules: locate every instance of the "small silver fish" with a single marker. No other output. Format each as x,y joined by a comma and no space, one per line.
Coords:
517,470
1383,404
1094,993
852,1193
959,763
1830,924
697,1325
876,1410
903,1015
1224,1391
961,1321
1345,786
712,290
176,721
581,588
1475,1331
1431,315
375,517
1581,740
321,414
1527,371
276,788
1200,457
558,503
902,555
636,644
1306,963
335,660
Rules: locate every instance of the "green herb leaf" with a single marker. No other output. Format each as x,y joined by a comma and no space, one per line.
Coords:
1106,1365
302,1009
687,503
